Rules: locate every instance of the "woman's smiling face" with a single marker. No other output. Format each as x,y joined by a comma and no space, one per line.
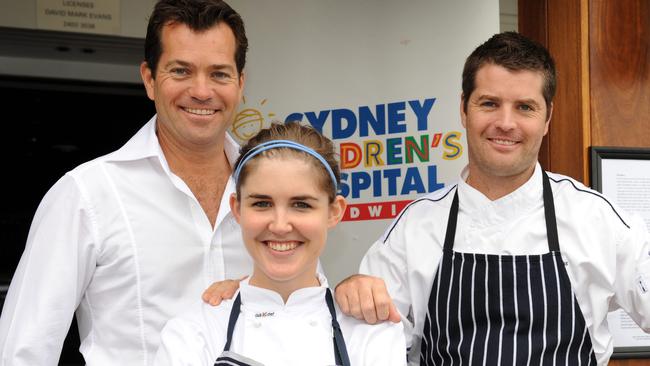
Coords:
284,215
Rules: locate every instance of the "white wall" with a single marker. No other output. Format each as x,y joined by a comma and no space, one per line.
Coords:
508,15
317,56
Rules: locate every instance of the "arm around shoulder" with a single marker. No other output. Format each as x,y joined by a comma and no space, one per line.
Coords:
406,258
387,260
366,298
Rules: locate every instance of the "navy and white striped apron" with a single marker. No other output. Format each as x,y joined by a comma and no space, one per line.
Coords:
229,358
504,310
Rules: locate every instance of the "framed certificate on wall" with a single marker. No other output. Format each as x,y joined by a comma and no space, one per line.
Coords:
623,175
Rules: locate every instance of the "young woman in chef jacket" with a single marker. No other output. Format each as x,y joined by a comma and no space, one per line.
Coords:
285,202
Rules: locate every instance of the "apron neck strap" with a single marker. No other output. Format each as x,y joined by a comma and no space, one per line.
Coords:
549,215
234,314
340,350
451,223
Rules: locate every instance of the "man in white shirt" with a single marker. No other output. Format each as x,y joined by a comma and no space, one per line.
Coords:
131,238
511,265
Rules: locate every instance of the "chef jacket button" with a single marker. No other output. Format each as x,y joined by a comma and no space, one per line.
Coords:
257,324
313,323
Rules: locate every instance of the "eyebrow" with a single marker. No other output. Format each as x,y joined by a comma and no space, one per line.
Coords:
187,64
294,198
177,62
487,96
223,66
521,101
258,196
304,198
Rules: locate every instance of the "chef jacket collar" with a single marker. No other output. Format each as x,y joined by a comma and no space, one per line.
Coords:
485,212
257,298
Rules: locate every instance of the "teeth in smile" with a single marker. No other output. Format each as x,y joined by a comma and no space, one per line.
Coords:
504,142
282,247
203,112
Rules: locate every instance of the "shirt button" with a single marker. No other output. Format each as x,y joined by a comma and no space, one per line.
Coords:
257,324
313,323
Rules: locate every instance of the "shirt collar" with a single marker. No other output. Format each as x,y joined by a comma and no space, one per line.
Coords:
257,298
144,144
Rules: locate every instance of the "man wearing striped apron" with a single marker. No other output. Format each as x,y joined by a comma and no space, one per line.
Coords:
511,265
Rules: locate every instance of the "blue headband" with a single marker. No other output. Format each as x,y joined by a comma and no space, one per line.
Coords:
282,143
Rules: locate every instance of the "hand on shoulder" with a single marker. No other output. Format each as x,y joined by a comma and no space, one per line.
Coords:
366,298
222,290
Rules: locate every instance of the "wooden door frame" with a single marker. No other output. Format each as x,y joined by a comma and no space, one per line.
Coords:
563,27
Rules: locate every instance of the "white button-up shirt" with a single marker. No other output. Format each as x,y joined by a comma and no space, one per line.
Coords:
123,241
273,333
607,251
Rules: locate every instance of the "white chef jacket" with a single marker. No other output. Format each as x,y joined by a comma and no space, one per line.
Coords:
123,241
277,334
607,251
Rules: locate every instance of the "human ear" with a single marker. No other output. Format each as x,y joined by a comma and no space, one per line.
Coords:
242,80
463,115
548,120
147,79
336,211
235,207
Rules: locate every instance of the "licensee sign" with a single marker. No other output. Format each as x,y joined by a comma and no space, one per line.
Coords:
83,16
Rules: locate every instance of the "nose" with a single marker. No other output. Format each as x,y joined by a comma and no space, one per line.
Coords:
506,119
200,90
280,223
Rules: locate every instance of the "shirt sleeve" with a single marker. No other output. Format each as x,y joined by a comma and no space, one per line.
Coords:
374,345
387,259
52,275
183,343
406,258
632,284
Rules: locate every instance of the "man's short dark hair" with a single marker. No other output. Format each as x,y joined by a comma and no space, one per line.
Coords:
516,53
198,15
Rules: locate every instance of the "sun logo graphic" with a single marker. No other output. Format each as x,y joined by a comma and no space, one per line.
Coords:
249,121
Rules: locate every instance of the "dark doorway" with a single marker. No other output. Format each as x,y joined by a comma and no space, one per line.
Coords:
55,125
